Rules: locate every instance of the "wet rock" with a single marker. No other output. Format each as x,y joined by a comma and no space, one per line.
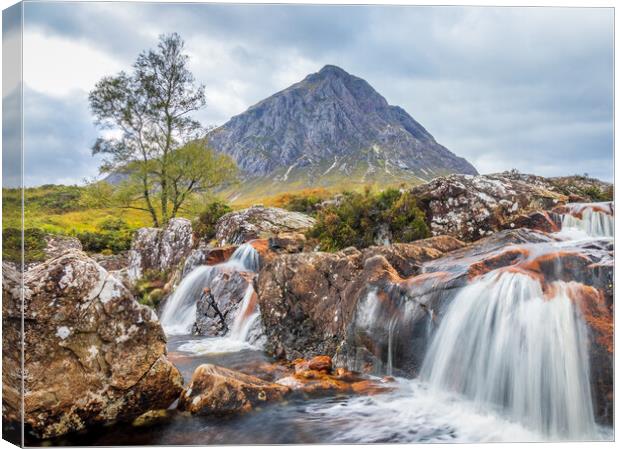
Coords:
160,249
93,354
307,300
471,207
538,220
316,377
218,391
206,255
256,222
216,308
151,418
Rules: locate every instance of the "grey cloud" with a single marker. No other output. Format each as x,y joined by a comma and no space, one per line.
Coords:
530,88
58,135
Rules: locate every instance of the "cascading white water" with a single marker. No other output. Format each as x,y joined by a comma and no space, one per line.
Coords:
503,343
596,220
246,316
179,313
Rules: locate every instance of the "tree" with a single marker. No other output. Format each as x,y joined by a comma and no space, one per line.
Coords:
160,148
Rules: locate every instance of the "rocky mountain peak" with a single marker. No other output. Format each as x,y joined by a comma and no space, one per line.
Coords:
328,127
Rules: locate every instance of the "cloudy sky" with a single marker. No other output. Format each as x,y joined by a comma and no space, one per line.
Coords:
525,88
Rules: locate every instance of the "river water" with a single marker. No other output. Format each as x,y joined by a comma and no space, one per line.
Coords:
506,364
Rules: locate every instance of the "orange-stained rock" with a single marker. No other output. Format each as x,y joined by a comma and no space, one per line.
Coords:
307,300
215,390
216,256
538,220
320,363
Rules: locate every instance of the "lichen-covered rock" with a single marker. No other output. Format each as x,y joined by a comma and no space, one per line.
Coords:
160,249
113,262
93,354
215,390
307,299
287,242
471,207
57,245
11,344
239,227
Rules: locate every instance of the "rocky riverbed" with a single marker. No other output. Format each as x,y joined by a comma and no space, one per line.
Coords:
263,339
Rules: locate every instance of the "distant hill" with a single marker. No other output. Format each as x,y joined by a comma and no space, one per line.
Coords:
331,129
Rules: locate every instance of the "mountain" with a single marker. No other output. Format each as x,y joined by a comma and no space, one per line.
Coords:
331,128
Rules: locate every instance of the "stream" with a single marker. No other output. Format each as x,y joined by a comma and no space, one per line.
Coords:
523,376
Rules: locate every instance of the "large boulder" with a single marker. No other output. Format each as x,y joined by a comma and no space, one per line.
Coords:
160,249
241,226
471,207
93,355
307,300
218,391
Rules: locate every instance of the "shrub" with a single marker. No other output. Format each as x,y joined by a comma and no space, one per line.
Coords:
597,194
150,288
108,241
305,201
113,224
362,219
34,245
204,225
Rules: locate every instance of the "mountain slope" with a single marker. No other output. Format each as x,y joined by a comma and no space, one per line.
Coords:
329,128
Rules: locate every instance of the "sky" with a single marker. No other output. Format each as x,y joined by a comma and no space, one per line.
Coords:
524,88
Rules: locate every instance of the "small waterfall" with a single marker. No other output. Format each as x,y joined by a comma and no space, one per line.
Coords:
503,343
246,258
246,316
593,219
179,313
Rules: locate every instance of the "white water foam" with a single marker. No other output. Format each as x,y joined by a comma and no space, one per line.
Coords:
502,343
597,220
179,313
415,413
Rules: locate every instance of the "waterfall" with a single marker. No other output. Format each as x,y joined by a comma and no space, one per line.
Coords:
592,219
245,258
503,343
179,313
246,316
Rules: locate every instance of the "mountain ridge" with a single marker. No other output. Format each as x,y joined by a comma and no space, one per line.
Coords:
330,125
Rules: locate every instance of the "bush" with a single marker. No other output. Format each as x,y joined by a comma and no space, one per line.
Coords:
34,245
305,201
596,194
113,224
204,226
363,219
106,241
150,288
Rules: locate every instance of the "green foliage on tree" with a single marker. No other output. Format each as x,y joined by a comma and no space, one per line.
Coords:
161,149
365,219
